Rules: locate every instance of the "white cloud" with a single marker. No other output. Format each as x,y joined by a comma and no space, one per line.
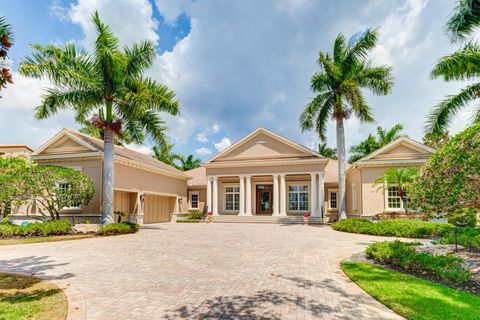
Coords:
223,144
203,151
171,9
140,148
202,137
215,128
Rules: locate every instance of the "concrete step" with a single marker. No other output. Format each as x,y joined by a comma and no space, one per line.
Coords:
265,219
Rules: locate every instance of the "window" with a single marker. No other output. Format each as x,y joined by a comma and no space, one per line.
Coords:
194,199
64,187
298,197
232,198
333,199
393,199
354,196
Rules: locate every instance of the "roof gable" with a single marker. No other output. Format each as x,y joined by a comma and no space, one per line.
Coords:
64,142
264,144
402,148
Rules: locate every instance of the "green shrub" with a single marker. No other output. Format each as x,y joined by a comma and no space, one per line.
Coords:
195,215
46,228
467,237
112,229
188,221
393,228
468,216
402,255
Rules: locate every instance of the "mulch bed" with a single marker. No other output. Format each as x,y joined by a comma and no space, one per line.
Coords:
471,261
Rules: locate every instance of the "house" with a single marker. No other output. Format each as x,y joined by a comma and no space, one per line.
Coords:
263,174
267,174
15,150
145,189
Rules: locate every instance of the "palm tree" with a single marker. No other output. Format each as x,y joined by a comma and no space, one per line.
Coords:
163,153
108,81
189,162
326,151
339,85
461,65
373,143
399,178
6,42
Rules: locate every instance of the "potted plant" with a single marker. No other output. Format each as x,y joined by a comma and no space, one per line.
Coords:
306,217
210,216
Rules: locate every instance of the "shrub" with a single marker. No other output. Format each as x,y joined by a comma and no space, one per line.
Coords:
188,221
46,228
402,255
112,229
467,237
393,228
468,216
195,215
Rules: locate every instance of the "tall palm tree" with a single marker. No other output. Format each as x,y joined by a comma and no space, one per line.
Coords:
326,151
399,178
339,85
162,152
189,162
372,143
461,65
108,81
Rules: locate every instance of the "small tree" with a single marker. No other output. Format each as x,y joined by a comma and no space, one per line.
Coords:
450,180
16,182
399,178
57,188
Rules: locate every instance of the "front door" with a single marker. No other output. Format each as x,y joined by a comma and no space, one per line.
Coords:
264,199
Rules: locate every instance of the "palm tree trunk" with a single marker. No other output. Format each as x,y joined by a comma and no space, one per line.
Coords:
342,211
108,177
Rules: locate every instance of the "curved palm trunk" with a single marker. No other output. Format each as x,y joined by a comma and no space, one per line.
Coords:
108,177
342,211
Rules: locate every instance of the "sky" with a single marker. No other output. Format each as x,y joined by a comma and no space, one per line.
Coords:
236,65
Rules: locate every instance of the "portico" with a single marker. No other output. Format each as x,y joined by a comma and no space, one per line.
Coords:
265,174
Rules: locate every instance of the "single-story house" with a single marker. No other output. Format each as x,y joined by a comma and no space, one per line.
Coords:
15,150
261,174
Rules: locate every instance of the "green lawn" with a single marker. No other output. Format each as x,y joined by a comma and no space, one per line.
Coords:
43,239
25,297
412,297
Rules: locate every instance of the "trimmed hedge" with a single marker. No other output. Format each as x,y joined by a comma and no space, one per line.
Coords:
467,237
402,255
40,229
112,229
393,228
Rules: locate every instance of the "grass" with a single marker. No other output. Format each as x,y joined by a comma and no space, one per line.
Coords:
25,297
4,242
412,297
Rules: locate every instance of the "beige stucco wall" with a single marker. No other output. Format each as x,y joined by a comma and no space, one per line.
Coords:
202,195
258,170
354,177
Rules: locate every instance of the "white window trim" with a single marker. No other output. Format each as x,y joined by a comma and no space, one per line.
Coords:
330,191
354,196
78,208
190,193
225,185
308,192
387,208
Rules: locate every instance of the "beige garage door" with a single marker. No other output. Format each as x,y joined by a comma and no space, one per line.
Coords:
158,208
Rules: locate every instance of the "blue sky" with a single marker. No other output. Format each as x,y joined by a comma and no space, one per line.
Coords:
239,64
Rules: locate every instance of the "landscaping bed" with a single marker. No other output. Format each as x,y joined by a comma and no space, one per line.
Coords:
26,297
412,297
194,216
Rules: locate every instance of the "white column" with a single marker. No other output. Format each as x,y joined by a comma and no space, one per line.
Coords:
215,196
209,194
283,195
276,202
248,197
242,196
313,194
321,192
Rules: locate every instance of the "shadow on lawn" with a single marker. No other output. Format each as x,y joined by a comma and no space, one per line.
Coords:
34,266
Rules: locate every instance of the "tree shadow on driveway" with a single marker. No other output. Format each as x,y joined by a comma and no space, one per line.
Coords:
34,265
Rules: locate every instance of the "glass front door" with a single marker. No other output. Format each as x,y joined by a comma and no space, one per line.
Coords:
264,199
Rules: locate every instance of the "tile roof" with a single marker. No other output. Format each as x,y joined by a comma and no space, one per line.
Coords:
198,176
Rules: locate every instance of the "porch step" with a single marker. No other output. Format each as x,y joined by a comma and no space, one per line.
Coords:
265,219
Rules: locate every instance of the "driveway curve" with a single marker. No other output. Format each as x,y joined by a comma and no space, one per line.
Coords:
199,271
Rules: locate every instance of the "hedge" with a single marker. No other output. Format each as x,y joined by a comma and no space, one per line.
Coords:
112,229
467,237
393,228
403,255
40,229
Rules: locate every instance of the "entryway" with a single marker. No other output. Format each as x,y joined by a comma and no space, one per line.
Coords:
264,199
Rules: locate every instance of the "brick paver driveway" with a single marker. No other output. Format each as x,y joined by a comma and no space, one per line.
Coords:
223,271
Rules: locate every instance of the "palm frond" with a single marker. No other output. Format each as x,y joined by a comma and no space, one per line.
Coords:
464,19
339,48
56,99
378,79
460,65
308,116
139,57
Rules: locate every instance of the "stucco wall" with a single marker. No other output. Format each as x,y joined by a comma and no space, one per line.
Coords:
354,177
202,196
300,168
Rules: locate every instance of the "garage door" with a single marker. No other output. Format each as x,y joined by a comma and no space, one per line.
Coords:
158,209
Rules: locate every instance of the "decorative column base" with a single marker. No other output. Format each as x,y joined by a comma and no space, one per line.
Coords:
136,218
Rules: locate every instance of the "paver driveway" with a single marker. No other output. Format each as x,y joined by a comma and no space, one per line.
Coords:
231,271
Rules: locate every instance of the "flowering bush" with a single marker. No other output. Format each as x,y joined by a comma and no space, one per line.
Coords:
210,213
306,214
